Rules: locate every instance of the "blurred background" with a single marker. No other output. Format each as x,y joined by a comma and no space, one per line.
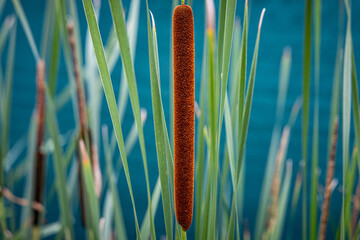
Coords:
282,26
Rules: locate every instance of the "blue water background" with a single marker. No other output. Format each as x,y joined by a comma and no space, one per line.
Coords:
282,26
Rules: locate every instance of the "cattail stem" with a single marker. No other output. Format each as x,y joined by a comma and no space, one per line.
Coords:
275,188
329,177
79,89
85,132
82,115
184,113
39,157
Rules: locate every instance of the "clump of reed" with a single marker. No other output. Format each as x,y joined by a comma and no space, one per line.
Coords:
209,190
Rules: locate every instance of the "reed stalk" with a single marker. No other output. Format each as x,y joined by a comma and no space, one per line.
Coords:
275,187
39,155
329,177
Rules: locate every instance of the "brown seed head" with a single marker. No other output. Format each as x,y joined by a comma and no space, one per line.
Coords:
184,113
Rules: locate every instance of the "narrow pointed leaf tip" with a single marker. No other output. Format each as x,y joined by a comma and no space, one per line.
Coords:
143,115
84,155
210,14
261,19
152,21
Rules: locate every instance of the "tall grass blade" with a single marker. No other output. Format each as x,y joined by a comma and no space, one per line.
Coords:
306,103
6,100
242,79
221,29
119,220
356,116
120,27
54,58
228,33
46,29
285,67
283,201
31,140
200,147
245,123
145,226
315,139
158,125
109,93
346,114
92,213
5,30
60,173
248,100
132,26
61,17
25,24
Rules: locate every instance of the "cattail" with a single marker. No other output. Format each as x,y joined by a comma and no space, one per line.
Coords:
329,177
275,188
39,158
80,94
184,113
82,115
85,133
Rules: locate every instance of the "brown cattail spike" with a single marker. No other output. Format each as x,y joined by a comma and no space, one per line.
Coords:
82,114
39,160
184,113
329,177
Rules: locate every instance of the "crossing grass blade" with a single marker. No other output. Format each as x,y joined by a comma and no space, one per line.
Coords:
61,19
248,100
110,97
158,115
315,138
92,214
245,125
6,99
283,201
145,226
118,216
228,33
5,114
7,25
132,27
242,78
221,28
47,34
29,166
229,141
120,28
54,58
285,67
356,116
25,24
200,148
306,103
60,171
346,114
